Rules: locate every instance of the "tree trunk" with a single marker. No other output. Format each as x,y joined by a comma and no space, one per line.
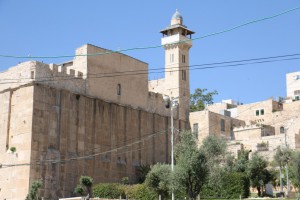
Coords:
258,191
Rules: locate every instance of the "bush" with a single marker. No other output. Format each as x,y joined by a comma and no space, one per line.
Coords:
33,191
13,149
140,191
109,190
233,185
236,184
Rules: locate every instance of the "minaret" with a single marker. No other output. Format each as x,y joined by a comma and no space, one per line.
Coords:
177,42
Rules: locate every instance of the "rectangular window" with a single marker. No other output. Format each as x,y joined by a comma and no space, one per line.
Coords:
171,58
80,74
296,77
297,92
195,130
32,75
119,89
257,112
183,58
222,125
183,74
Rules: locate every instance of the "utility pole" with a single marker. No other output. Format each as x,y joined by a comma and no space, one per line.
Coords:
174,103
286,165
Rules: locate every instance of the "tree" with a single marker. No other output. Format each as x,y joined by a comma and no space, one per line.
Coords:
200,98
258,174
141,172
295,169
191,169
85,186
282,157
241,163
33,191
215,150
159,179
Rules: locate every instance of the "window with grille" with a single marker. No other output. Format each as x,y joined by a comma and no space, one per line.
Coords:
195,130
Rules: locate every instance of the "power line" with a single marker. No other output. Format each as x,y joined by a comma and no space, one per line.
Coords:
157,46
39,162
162,70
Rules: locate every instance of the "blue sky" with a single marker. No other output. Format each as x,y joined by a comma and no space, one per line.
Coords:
58,27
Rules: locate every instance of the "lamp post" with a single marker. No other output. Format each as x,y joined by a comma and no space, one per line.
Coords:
286,165
174,103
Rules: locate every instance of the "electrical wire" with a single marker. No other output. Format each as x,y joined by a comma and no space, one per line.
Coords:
43,162
172,69
157,46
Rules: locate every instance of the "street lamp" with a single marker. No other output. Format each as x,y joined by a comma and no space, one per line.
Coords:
174,103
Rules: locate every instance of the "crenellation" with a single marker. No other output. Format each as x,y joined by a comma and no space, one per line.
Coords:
83,107
71,72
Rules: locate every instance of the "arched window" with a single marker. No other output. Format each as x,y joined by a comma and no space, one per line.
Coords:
282,130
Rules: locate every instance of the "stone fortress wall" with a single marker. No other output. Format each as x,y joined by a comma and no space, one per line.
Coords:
61,76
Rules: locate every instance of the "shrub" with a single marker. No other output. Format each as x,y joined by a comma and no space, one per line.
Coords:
233,185
13,149
85,186
140,191
236,184
33,191
109,190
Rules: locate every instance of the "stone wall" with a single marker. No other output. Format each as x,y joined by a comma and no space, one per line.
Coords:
292,83
209,123
15,131
83,131
59,76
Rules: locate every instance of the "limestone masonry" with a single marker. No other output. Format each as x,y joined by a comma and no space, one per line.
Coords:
258,127
93,115
99,116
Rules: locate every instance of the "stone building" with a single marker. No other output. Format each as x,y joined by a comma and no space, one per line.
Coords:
91,116
260,126
293,85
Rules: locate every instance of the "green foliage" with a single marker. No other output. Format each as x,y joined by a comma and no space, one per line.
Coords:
191,170
258,174
85,186
125,180
141,173
159,179
215,148
295,169
200,98
33,191
140,191
282,156
109,190
79,190
233,185
242,162
13,149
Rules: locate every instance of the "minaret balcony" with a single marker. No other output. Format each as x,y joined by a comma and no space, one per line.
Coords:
175,39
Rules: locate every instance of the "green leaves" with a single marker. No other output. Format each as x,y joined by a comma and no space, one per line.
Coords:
191,169
200,98
257,172
33,191
159,179
84,186
295,169
282,156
